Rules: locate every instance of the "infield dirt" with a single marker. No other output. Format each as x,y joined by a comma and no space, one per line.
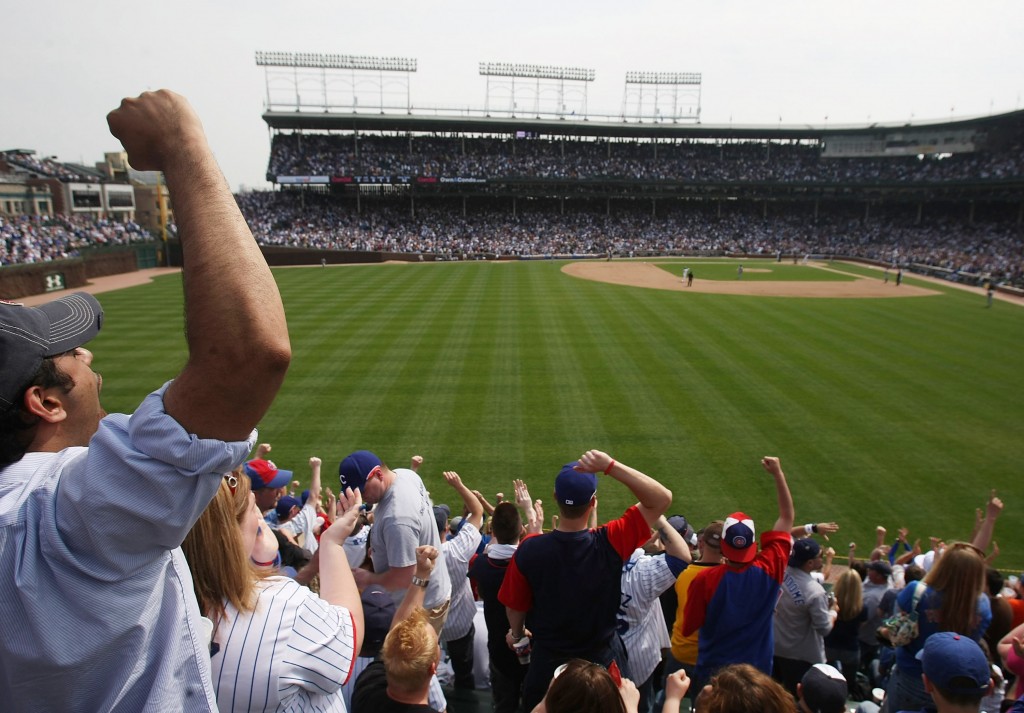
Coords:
645,274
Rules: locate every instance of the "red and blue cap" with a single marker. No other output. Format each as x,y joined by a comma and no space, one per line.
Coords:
264,474
738,543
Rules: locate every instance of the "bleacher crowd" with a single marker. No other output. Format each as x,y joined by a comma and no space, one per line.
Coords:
289,218
48,167
34,238
491,158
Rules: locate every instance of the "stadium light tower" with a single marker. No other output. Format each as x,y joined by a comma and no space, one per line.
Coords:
535,75
658,88
329,68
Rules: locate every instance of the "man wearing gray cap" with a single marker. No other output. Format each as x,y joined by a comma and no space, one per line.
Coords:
93,508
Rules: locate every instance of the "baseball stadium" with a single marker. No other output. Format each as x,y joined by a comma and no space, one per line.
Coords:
501,291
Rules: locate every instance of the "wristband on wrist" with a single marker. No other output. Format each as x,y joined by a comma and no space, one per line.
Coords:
814,527
420,582
610,466
808,529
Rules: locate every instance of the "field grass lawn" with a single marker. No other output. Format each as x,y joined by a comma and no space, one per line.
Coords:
884,411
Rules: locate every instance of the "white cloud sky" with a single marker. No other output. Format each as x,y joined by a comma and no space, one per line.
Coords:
68,62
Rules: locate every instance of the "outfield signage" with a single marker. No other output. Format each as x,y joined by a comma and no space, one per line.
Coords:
303,179
378,180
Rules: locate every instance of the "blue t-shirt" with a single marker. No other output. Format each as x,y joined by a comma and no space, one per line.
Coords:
928,623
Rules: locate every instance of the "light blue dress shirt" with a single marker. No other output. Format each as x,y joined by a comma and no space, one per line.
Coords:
96,599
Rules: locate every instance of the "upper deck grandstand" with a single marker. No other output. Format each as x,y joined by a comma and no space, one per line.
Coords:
946,194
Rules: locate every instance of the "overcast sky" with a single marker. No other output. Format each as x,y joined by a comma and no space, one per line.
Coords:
67,63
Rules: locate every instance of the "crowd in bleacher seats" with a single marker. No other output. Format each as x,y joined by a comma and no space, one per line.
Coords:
345,155
34,238
46,167
292,218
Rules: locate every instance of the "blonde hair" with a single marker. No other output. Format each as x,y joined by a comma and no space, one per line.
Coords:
220,566
849,595
959,576
410,652
741,687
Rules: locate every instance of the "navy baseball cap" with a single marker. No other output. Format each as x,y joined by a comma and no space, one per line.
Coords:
285,505
824,689
804,550
265,474
680,525
955,663
441,514
574,487
356,468
30,334
378,611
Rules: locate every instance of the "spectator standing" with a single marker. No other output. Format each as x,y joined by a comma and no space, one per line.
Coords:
276,645
803,616
64,460
400,682
306,523
403,520
488,572
640,619
733,605
953,600
684,648
875,586
546,569
458,632
842,645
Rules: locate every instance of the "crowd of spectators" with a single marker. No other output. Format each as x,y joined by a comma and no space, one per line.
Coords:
47,167
291,218
493,158
35,238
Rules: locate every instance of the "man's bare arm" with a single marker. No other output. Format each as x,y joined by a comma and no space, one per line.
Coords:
235,326
654,497
786,512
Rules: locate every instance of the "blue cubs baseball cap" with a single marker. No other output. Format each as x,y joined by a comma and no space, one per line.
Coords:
356,468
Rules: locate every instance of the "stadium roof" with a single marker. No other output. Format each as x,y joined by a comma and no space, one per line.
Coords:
329,121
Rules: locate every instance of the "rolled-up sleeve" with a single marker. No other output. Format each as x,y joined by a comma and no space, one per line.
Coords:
137,490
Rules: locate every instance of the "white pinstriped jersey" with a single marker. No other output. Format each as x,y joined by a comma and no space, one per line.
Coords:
641,621
293,653
458,551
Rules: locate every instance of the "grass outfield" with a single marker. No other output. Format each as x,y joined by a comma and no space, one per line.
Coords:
884,411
